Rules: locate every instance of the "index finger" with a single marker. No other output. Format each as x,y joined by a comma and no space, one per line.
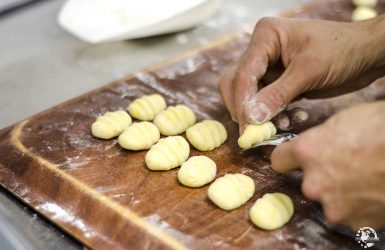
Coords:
264,48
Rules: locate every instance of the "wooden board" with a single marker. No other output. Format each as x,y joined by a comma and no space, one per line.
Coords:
106,197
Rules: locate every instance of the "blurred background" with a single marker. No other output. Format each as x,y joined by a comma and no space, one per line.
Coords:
42,65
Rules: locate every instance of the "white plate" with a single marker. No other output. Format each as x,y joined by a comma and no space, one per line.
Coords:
97,21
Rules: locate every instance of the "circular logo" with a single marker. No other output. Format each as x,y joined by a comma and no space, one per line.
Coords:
366,237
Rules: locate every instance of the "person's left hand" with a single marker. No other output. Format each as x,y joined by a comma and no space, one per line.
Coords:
343,161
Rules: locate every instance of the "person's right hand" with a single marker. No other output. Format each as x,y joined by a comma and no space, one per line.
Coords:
288,58
343,165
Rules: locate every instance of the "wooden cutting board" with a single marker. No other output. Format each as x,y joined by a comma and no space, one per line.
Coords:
106,197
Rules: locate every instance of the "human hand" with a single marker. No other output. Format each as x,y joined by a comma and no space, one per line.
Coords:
288,58
343,162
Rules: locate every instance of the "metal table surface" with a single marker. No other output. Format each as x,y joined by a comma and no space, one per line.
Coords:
41,65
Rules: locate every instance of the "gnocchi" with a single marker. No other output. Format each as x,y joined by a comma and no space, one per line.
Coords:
168,153
272,211
139,136
111,124
207,135
231,191
255,134
368,3
175,120
147,107
197,171
363,13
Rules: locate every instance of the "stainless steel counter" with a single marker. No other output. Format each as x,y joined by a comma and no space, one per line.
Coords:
41,65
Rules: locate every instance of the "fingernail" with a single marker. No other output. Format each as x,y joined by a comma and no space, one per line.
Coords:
258,113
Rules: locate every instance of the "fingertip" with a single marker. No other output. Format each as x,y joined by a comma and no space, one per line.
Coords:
273,160
242,127
282,158
275,157
273,99
298,116
282,121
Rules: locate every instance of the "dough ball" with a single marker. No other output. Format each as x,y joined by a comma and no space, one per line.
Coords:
139,136
175,120
147,107
197,171
368,3
363,13
272,211
168,153
256,133
231,191
111,124
207,135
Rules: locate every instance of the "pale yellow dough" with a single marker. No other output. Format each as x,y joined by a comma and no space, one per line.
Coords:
207,135
363,13
139,136
231,191
111,124
197,171
175,120
147,107
168,153
272,211
368,3
256,133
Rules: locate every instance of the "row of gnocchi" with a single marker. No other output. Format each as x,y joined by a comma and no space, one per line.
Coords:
206,135
227,192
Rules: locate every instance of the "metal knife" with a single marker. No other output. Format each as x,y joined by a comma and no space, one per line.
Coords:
276,140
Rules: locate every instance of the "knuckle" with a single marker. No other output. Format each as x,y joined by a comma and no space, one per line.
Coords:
283,95
267,22
278,95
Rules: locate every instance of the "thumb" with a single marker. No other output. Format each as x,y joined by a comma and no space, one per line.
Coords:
275,97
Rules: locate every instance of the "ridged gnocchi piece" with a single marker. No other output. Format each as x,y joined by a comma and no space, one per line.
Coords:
175,120
197,171
207,135
231,191
256,133
368,3
147,107
139,136
168,153
111,124
362,13
272,211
